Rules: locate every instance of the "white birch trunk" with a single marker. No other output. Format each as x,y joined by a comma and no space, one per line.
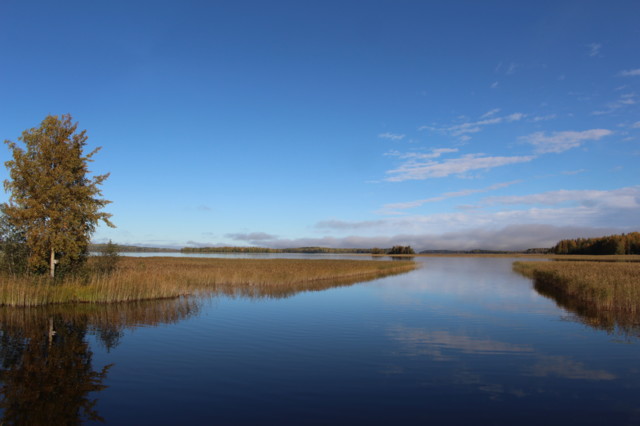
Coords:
52,264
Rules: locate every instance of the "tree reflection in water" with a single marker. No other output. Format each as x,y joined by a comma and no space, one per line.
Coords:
46,362
47,373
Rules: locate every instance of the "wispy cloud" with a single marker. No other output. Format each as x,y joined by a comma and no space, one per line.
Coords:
630,73
573,172
503,223
622,198
636,125
433,153
419,170
394,208
558,142
584,208
342,225
251,237
594,49
391,136
490,113
624,100
487,119
494,85
543,118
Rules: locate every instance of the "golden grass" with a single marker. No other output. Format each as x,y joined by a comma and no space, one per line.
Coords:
597,258
613,286
168,277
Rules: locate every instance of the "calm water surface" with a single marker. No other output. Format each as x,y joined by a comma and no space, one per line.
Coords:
461,340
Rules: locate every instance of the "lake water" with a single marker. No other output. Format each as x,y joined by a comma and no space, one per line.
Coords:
458,341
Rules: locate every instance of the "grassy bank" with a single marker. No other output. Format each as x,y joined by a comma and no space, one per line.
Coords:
608,286
167,277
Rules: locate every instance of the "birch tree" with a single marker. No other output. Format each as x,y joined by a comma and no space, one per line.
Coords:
53,200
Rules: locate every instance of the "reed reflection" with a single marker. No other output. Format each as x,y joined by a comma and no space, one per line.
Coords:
613,321
46,361
289,289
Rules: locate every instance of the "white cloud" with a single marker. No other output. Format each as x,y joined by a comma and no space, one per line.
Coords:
487,119
341,225
543,118
584,208
624,100
562,141
391,136
630,73
502,224
636,125
514,117
252,237
623,198
419,170
490,113
627,99
594,49
434,153
393,208
494,85
512,68
468,129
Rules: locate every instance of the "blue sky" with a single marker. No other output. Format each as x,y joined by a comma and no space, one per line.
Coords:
456,125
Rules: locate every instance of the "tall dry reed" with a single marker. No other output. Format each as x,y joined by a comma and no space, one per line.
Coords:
602,285
167,277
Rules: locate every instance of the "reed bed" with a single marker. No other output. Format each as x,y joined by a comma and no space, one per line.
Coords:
608,286
167,277
597,258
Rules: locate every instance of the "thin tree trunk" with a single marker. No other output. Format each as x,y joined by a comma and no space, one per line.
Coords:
52,264
52,331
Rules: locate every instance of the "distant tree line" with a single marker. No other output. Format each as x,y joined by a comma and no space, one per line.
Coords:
233,249
308,250
401,250
97,248
229,249
612,244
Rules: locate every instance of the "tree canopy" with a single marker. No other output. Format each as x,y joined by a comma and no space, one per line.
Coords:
401,250
612,244
53,202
